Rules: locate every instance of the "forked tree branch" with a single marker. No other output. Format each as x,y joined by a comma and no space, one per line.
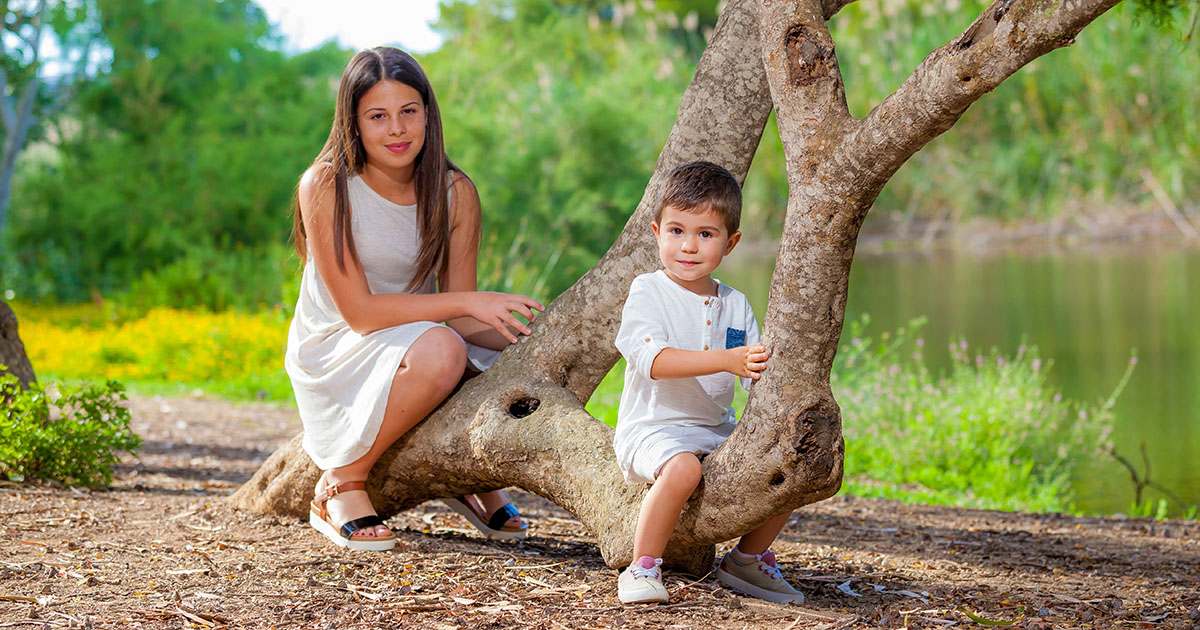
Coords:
523,421
1007,36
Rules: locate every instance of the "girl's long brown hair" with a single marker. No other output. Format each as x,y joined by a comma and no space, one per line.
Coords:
344,152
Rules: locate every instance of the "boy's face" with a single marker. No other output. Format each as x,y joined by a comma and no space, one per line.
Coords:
691,246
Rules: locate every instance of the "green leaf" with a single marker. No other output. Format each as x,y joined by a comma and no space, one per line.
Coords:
984,621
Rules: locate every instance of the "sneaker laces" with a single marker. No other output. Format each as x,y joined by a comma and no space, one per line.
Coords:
642,572
771,570
766,564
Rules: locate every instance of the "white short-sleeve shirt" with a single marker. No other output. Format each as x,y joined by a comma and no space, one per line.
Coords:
658,314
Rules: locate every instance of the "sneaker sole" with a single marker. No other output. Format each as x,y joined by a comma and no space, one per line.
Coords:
653,598
735,582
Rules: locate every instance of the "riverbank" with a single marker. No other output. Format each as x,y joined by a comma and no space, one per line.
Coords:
1083,228
1079,228
160,548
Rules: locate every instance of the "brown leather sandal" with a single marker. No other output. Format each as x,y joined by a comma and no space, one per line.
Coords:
496,526
349,535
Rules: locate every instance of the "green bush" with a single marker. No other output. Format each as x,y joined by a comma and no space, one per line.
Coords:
69,436
988,433
217,279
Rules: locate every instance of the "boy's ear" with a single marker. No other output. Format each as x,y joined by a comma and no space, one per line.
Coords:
733,240
654,226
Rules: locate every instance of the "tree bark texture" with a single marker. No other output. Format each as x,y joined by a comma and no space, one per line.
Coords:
12,351
522,423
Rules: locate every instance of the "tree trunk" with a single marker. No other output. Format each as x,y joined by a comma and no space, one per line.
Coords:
522,422
12,351
8,163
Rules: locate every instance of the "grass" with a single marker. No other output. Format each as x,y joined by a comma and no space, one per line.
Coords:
989,433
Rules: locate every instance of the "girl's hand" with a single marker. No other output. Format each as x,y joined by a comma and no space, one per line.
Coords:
496,310
749,361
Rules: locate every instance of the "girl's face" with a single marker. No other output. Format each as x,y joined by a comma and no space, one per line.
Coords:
391,124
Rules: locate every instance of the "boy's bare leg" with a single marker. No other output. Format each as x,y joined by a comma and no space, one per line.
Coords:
660,509
759,540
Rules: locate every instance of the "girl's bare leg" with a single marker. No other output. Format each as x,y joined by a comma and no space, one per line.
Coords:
486,504
428,374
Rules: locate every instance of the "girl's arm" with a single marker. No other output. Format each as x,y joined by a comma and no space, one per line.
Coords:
461,272
364,311
744,361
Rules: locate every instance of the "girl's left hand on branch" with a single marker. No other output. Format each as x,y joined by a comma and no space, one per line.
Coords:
496,310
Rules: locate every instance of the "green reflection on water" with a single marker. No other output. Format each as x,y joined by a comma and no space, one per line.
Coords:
1086,312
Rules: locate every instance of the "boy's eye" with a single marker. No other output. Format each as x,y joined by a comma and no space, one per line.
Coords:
706,233
676,230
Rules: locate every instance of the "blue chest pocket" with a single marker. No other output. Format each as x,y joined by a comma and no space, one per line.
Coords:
734,338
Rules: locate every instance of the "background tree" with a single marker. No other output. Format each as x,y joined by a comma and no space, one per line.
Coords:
45,54
178,156
522,423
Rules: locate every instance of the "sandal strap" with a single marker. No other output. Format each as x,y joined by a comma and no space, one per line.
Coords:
352,527
332,491
502,516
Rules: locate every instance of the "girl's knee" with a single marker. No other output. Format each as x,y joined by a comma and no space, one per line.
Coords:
440,354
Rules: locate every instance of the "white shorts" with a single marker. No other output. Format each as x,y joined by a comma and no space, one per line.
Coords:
654,445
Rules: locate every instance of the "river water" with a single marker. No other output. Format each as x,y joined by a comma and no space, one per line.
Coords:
1085,311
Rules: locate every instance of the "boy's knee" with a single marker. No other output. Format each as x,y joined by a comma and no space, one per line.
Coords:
682,470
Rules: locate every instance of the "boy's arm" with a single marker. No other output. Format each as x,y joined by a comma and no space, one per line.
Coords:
641,335
744,361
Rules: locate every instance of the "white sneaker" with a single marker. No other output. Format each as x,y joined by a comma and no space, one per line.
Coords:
759,578
641,583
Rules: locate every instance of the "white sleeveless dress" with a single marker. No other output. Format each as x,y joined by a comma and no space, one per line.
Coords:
341,379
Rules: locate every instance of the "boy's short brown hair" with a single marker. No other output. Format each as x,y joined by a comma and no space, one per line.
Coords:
699,187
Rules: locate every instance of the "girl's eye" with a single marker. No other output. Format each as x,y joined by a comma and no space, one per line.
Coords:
376,116
410,111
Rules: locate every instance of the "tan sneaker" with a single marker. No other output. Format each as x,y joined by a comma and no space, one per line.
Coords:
759,578
641,583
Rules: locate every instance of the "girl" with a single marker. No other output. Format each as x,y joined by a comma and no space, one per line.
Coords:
383,217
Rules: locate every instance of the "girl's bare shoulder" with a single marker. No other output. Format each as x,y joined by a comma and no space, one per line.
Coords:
317,179
318,186
464,199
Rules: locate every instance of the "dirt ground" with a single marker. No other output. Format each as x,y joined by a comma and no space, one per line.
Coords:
161,549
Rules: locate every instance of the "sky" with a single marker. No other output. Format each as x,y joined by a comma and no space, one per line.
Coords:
356,24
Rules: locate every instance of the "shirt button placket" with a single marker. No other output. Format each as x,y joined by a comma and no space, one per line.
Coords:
707,322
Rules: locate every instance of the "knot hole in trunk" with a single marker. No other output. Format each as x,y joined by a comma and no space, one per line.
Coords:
523,406
809,54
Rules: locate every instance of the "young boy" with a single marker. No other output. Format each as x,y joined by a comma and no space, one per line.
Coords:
685,336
